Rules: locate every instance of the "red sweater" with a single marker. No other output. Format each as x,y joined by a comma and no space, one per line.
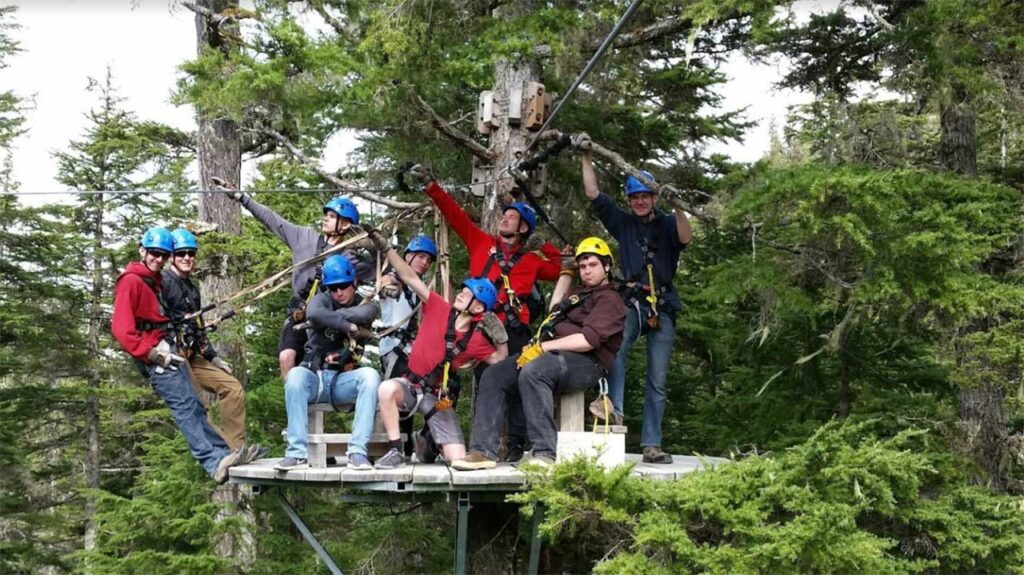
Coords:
135,301
543,264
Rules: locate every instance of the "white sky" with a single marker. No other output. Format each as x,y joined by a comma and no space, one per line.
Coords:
66,42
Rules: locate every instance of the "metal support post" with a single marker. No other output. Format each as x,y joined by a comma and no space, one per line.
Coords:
538,518
306,533
461,532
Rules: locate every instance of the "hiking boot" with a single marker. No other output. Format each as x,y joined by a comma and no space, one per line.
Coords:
542,460
261,452
473,461
654,454
249,453
393,459
597,409
514,453
226,462
289,463
359,462
426,449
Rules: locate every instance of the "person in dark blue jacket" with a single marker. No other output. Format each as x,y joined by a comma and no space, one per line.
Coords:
650,242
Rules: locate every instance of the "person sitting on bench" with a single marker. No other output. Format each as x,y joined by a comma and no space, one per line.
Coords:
449,336
573,349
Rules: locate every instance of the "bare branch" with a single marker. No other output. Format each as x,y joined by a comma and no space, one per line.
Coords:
659,29
342,185
453,133
669,192
333,22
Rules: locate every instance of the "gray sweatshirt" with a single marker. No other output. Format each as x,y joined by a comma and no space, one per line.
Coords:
302,242
331,322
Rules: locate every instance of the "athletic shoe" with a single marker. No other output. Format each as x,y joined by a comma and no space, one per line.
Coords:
359,462
226,462
390,460
473,461
289,463
542,460
426,449
654,454
514,453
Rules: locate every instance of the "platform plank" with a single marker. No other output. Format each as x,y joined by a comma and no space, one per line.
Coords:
431,474
503,474
400,475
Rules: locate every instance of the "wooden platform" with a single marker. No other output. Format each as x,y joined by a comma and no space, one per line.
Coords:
437,476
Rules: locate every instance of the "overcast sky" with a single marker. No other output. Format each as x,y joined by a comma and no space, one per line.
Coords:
66,42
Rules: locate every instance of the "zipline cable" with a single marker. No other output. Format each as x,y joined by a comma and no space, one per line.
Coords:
586,69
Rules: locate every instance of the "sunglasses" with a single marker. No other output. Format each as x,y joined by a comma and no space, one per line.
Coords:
158,254
185,254
339,287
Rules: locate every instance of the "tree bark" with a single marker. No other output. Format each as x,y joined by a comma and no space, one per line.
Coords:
983,418
958,148
219,152
93,379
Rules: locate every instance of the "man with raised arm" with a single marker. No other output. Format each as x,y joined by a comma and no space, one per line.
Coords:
449,336
649,246
514,268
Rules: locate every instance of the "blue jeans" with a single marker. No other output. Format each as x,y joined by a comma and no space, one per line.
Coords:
303,387
659,352
174,387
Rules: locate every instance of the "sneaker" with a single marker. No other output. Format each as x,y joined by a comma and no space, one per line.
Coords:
514,453
654,454
359,462
289,463
473,461
426,449
226,462
542,460
393,459
597,409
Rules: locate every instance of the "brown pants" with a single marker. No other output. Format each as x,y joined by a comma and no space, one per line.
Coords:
230,397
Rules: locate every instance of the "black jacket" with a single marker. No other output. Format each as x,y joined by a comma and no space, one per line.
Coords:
181,297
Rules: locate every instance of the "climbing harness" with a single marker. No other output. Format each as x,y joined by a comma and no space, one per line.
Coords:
442,372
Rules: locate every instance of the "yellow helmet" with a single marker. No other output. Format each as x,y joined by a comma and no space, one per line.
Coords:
594,246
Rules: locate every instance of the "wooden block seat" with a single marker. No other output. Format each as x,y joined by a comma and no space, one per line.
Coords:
321,445
606,443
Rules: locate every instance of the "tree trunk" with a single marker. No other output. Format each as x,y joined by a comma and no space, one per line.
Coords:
983,419
219,152
958,149
93,379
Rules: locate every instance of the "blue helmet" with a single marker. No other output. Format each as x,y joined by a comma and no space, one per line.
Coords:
184,239
338,270
483,290
157,238
526,213
422,244
635,186
344,208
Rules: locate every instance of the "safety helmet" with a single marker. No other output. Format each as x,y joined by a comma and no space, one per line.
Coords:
422,244
157,238
483,290
344,208
526,213
593,246
338,270
184,240
635,186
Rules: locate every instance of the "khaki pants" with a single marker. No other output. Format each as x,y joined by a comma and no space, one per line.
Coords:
230,398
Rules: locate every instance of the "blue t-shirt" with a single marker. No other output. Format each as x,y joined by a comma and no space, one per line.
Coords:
662,239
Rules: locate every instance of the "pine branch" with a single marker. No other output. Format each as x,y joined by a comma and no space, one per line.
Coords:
453,133
341,185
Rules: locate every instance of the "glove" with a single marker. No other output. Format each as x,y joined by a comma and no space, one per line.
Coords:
494,329
580,140
568,261
161,355
534,243
221,185
362,334
421,174
221,365
363,244
389,286
531,351
378,240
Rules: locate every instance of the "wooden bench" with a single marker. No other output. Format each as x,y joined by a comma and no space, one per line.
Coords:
321,445
607,443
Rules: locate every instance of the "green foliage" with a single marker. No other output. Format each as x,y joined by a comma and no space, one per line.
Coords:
851,498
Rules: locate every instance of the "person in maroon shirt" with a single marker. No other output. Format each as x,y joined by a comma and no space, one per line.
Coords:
141,328
449,336
500,257
574,349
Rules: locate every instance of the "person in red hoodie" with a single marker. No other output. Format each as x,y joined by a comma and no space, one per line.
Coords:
141,328
505,259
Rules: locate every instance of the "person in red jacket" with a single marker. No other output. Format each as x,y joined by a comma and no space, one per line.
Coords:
141,328
504,259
